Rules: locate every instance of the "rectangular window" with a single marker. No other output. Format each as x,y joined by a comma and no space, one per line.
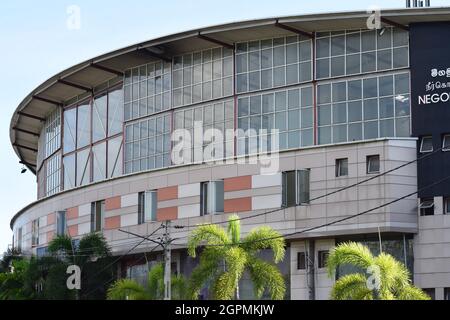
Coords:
322,258
426,207
373,164
426,144
342,167
446,142
301,261
446,293
212,197
35,232
60,223
303,183
19,239
147,206
296,186
97,215
447,205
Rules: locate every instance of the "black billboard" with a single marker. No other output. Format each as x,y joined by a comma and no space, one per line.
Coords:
430,101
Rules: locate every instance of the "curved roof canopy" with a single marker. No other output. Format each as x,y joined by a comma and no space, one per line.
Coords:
28,118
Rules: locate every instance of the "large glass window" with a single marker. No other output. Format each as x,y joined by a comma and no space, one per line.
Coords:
366,108
360,51
147,89
52,132
289,111
53,174
93,155
147,143
272,63
202,76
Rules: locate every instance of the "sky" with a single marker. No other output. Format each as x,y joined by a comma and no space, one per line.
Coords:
36,43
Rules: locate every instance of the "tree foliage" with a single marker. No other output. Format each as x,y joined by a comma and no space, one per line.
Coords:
128,289
226,257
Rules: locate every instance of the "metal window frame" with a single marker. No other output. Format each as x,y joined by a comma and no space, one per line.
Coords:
421,150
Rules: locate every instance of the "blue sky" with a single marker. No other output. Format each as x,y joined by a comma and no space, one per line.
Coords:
36,44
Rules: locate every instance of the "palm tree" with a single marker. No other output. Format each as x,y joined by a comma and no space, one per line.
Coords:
226,257
381,277
128,289
92,255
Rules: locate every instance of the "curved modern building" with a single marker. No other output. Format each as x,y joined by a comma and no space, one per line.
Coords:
332,100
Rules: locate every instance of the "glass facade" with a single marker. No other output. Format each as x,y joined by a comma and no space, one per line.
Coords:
92,139
289,110
202,76
341,86
351,52
271,63
219,116
147,144
363,108
147,90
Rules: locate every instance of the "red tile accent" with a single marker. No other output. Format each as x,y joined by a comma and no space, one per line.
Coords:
50,236
72,213
164,214
51,218
73,230
112,223
238,205
168,193
113,203
237,183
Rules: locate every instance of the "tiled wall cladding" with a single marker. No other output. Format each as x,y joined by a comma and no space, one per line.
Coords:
246,191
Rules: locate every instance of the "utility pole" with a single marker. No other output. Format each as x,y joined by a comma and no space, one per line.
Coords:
168,261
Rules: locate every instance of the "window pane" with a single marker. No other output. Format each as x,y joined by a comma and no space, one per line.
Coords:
99,118
115,112
69,130
84,127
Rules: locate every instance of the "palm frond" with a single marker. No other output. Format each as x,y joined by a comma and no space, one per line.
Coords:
212,234
412,293
265,237
94,244
204,271
266,276
394,275
352,253
127,289
234,228
351,287
60,243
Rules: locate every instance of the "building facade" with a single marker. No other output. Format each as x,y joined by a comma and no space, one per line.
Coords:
351,119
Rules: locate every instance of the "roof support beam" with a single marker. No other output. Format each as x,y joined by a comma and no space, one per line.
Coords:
24,147
215,41
75,85
150,53
32,116
27,163
293,30
26,131
394,24
106,69
50,101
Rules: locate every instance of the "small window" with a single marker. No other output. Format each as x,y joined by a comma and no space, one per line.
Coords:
446,293
373,164
447,205
322,257
426,144
301,261
341,167
212,197
19,239
35,232
97,215
60,223
147,206
426,207
446,142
